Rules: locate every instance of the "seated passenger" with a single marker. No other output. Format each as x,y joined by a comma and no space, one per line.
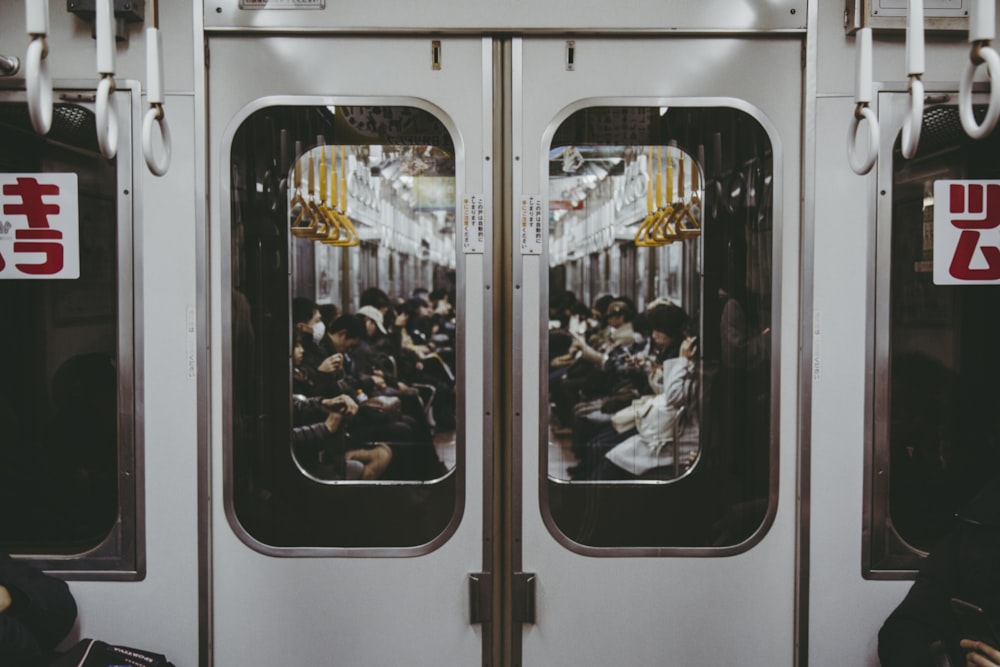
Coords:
36,613
420,366
379,417
586,378
322,445
665,423
631,374
306,317
925,629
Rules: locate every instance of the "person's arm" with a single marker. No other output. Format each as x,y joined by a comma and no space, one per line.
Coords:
40,610
923,619
18,645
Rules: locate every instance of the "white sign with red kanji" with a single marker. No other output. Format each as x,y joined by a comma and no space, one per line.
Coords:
39,226
966,232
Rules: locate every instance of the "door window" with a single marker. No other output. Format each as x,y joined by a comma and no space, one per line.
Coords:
659,345
67,449
343,327
935,428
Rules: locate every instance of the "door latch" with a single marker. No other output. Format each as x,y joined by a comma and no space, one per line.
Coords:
524,597
481,597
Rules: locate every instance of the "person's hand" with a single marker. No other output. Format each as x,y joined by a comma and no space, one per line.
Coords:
5,600
563,360
689,347
980,654
332,364
342,403
378,380
376,460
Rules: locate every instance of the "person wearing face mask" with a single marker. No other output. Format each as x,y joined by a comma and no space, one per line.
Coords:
307,318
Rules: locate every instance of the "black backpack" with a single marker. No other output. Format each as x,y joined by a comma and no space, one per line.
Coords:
95,653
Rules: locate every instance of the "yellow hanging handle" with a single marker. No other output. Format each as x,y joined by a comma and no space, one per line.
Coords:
659,177
687,224
670,179
298,228
680,178
649,184
346,234
334,184
317,223
322,174
343,182
663,232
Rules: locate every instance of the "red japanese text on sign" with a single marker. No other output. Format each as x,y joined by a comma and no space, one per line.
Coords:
39,226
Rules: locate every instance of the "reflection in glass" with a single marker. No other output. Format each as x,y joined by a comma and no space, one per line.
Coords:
659,341
63,462
941,442
344,327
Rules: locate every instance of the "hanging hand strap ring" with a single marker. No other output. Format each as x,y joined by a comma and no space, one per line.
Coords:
107,118
981,32
154,73
915,70
862,111
36,66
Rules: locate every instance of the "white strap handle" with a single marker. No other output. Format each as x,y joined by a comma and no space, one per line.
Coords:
107,117
862,98
981,32
154,73
915,69
36,67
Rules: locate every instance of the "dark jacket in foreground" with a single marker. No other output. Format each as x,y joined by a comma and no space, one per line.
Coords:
965,565
42,613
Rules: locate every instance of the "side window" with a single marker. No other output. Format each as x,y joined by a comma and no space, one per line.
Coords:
68,443
935,427
344,329
659,346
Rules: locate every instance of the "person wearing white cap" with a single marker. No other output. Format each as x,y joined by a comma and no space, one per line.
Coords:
373,320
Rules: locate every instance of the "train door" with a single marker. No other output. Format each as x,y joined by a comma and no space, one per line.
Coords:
345,529
921,441
655,184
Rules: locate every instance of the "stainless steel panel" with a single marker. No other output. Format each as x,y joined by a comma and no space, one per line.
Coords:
472,16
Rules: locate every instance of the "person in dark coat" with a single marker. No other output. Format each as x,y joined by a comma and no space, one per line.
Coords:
923,629
36,613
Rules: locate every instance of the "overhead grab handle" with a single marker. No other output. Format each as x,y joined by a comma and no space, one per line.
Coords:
981,32
38,81
107,119
862,99
915,70
158,165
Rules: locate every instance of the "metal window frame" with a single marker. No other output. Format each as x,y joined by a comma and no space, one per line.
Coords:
773,135
226,188
121,556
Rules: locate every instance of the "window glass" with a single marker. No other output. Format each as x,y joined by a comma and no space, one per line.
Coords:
66,449
343,326
938,444
659,342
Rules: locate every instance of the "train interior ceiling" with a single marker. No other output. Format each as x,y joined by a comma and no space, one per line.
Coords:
500,321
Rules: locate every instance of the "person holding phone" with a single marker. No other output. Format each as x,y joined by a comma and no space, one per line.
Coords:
951,614
980,653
